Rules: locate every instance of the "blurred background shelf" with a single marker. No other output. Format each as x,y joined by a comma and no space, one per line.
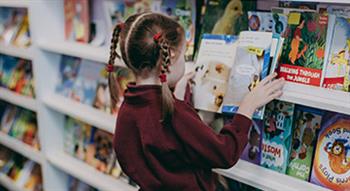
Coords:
85,113
18,99
26,53
21,148
266,179
14,3
9,184
87,173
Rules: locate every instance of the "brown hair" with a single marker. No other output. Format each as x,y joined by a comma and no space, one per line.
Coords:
143,51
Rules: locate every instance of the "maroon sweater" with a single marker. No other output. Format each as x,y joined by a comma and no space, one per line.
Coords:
180,157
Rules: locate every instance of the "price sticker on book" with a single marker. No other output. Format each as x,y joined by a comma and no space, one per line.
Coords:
255,50
294,18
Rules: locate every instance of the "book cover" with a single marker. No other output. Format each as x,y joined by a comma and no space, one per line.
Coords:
337,68
213,66
8,118
12,25
277,135
68,73
184,12
331,168
227,17
77,20
21,78
260,21
22,38
9,64
35,182
252,152
85,84
307,124
251,64
302,57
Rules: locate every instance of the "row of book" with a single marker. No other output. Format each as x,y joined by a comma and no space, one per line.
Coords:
16,74
20,124
307,143
14,27
86,81
23,172
91,21
93,146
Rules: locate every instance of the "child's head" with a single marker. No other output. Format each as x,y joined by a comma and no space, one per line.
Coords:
152,46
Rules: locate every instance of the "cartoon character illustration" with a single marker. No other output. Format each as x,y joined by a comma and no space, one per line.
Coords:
276,122
279,26
294,54
254,23
338,155
340,59
225,25
255,82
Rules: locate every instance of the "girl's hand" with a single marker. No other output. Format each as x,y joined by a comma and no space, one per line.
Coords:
267,90
180,88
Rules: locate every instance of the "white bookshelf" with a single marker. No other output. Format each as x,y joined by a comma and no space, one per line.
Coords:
17,99
266,179
21,148
88,174
26,53
47,29
81,111
9,184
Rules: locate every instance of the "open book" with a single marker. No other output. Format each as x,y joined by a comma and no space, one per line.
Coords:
228,67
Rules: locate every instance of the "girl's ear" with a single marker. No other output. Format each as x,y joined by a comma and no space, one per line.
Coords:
172,53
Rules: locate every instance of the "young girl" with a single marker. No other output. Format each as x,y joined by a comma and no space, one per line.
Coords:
160,141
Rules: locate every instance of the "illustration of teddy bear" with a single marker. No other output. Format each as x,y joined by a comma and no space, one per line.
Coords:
337,155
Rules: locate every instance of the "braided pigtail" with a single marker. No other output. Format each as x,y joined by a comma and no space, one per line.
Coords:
112,78
167,96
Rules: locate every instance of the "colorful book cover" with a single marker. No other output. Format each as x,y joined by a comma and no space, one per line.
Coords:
35,181
252,151
8,118
22,38
302,58
85,84
184,12
307,124
331,168
77,20
252,65
277,135
21,78
213,66
338,64
227,17
260,21
68,73
9,64
12,25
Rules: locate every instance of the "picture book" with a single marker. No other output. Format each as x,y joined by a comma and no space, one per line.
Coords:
8,118
252,152
277,135
228,17
85,84
307,123
331,167
102,99
184,12
34,182
68,73
337,69
302,57
22,38
213,66
248,69
21,78
77,20
8,64
12,25
260,21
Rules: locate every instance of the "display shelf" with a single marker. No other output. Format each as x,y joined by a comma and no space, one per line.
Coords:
9,184
21,148
85,113
317,97
87,174
18,99
14,3
85,51
266,179
25,53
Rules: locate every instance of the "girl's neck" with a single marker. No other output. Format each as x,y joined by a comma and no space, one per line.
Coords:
148,81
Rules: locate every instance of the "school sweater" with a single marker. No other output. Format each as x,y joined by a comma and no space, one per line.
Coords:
179,157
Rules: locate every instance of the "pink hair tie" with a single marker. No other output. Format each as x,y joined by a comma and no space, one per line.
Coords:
162,78
109,68
157,36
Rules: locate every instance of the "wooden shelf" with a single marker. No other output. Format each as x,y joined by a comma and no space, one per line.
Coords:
266,179
80,111
21,148
88,174
18,99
